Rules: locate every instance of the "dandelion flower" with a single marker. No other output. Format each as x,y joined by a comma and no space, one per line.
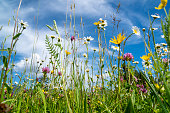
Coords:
67,53
119,39
136,30
162,4
146,57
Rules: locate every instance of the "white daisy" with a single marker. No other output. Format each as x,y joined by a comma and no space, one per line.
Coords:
155,16
136,30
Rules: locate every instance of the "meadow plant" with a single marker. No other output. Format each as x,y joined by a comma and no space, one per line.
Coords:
89,82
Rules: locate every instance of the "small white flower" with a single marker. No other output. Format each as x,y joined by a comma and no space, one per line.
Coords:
163,44
24,24
155,16
163,54
16,82
136,30
162,36
157,46
154,29
85,55
88,38
115,48
87,70
165,49
135,62
100,19
16,74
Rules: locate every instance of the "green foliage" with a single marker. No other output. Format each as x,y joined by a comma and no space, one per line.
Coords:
52,48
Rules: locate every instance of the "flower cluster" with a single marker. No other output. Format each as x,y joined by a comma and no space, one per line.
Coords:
141,88
128,56
101,24
161,49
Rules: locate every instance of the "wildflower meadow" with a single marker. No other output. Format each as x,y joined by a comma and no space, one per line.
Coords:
78,66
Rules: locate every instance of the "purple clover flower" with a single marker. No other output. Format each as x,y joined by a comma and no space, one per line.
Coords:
45,70
128,56
73,38
59,73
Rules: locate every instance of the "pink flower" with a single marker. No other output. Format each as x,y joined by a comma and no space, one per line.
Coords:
45,70
72,38
128,56
165,60
59,73
121,78
144,90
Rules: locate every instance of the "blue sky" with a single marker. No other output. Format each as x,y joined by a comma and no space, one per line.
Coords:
131,13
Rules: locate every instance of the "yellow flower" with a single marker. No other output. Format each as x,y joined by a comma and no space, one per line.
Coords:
97,76
67,53
157,86
97,23
52,72
119,39
146,57
120,57
162,4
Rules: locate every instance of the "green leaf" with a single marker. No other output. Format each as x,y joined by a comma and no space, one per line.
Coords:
8,88
43,98
85,104
16,36
130,107
5,61
154,92
50,28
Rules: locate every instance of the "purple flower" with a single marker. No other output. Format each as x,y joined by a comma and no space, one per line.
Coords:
144,90
45,70
142,86
72,38
128,56
59,73
137,85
